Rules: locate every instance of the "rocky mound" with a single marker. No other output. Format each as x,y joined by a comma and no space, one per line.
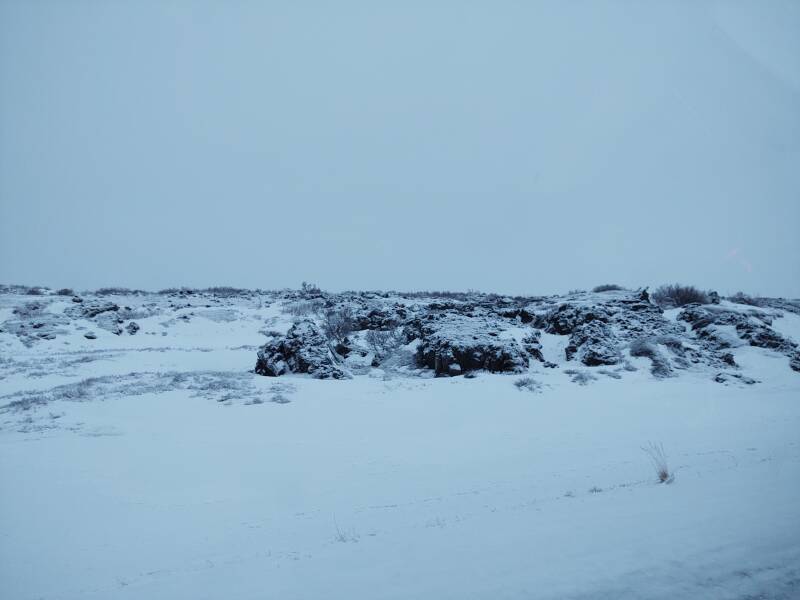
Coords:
33,321
349,333
720,328
601,326
453,343
304,349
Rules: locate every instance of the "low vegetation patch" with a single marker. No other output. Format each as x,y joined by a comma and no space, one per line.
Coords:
658,458
118,291
302,308
383,342
672,296
607,287
742,298
527,384
580,377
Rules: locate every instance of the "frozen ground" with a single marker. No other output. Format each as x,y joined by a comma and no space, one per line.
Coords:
157,465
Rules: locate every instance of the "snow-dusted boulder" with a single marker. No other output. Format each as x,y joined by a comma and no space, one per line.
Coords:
90,309
378,318
33,321
601,325
104,313
594,344
532,344
304,349
453,343
567,317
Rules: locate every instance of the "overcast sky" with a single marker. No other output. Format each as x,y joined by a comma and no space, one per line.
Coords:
516,147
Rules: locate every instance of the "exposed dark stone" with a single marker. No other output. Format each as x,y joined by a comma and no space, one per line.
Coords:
532,345
520,314
304,349
132,328
453,343
89,310
751,325
594,344
567,317
343,348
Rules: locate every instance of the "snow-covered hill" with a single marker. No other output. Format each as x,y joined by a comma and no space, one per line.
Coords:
143,455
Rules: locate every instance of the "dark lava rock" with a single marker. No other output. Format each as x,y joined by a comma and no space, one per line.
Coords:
532,344
453,343
304,349
31,323
594,344
518,314
751,325
601,326
132,328
564,319
90,309
90,335
369,318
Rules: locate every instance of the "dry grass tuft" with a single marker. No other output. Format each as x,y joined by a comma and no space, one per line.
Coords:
658,458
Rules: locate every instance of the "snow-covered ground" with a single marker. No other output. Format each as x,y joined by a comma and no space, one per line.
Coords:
158,466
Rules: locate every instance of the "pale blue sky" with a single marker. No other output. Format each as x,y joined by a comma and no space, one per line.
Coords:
518,147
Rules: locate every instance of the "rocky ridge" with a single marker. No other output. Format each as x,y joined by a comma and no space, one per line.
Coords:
441,334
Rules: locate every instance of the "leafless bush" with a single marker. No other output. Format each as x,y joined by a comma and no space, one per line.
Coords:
647,348
611,374
607,287
310,289
301,308
643,347
679,295
226,291
118,291
66,292
527,383
742,298
344,535
441,294
383,342
337,324
658,458
580,377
